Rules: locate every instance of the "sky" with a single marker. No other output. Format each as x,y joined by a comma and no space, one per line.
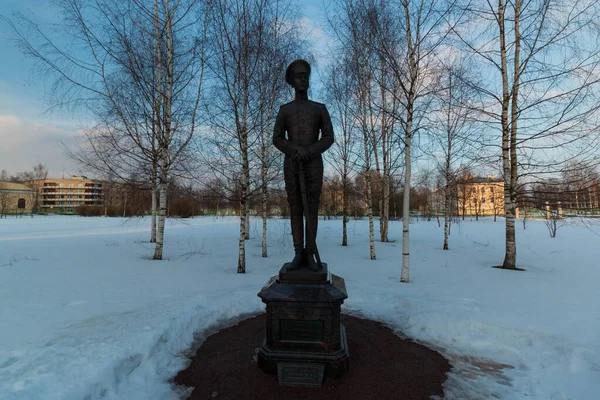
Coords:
29,132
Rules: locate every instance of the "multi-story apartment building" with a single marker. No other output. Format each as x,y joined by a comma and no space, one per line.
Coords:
64,195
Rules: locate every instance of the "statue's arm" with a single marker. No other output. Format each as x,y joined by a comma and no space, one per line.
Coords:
279,140
326,139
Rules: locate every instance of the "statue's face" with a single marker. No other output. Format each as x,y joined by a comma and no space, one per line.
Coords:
300,77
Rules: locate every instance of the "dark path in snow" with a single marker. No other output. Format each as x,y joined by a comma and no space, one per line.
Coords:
382,366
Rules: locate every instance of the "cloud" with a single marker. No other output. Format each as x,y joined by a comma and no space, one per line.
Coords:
320,41
24,144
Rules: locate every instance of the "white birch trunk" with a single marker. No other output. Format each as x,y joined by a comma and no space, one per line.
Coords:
247,213
345,208
508,145
154,206
369,198
404,275
162,210
164,140
386,205
241,269
157,124
370,213
385,190
511,243
242,249
446,216
264,200
381,219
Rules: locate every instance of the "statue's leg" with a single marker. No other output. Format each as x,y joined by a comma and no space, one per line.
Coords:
314,183
294,197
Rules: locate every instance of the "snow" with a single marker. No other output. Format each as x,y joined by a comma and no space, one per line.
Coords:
86,314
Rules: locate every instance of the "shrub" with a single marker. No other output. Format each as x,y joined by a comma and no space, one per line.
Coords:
89,211
182,207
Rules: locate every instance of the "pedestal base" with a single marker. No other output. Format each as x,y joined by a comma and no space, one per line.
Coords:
296,363
305,341
302,275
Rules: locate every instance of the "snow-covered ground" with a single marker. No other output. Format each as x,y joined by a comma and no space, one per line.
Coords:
85,313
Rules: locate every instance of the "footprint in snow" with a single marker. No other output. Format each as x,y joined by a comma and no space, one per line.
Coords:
76,303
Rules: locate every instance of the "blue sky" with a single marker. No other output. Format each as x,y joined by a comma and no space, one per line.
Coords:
28,133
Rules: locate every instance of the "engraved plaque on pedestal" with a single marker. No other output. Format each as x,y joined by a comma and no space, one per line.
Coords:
296,374
300,330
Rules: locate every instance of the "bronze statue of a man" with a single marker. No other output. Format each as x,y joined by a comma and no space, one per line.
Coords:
303,120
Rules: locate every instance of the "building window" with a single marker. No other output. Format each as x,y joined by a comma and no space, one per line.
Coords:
21,203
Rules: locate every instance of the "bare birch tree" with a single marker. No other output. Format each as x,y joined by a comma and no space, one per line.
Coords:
137,71
280,45
540,61
411,57
353,31
252,44
454,134
342,155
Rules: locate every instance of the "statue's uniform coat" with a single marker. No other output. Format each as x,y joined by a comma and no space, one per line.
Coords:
303,121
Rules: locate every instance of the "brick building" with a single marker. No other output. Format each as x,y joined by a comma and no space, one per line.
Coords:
15,198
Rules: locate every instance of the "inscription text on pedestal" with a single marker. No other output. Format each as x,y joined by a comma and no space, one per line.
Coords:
300,330
292,374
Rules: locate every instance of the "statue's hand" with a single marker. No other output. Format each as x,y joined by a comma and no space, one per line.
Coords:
303,154
296,157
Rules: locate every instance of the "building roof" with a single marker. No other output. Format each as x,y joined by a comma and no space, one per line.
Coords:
485,180
64,181
481,179
12,186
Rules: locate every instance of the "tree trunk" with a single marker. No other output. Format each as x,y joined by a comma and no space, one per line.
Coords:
156,123
241,269
247,223
162,210
386,205
345,208
165,140
370,214
385,190
154,193
446,215
381,219
508,141
264,200
369,190
154,205
404,275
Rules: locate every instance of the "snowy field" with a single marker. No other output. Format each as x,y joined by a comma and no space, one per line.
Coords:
85,314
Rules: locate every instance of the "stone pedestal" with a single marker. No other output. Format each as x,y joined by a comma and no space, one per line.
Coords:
305,341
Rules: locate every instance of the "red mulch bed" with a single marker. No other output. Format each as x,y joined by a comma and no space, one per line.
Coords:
382,366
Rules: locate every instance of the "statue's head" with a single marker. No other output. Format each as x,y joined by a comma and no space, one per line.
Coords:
297,75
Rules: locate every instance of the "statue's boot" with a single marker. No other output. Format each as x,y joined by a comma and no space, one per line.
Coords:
298,239
312,264
311,228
